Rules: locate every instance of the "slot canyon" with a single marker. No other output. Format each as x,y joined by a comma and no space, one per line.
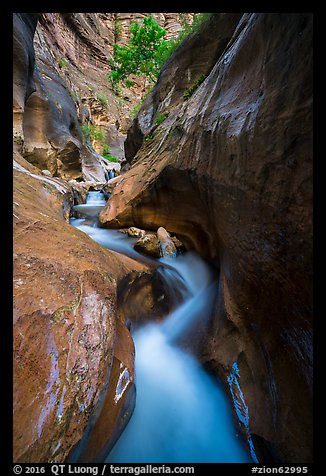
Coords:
162,307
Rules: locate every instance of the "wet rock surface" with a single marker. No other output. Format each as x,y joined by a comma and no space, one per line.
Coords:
229,171
71,353
189,63
143,297
149,245
136,232
117,405
74,49
168,249
64,320
237,159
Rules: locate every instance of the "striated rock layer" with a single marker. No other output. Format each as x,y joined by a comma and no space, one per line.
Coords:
61,84
78,47
46,128
230,172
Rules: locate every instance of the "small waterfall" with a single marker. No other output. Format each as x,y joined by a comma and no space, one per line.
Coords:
94,204
181,413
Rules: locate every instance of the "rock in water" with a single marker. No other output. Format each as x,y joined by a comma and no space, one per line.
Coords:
149,245
46,172
133,231
178,244
167,246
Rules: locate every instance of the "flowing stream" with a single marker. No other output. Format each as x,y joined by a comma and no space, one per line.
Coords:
181,413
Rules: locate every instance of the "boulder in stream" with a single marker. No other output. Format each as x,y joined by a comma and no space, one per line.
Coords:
167,246
178,244
149,245
136,232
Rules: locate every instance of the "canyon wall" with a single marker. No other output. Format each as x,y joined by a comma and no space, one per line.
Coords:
46,128
229,171
72,91
70,344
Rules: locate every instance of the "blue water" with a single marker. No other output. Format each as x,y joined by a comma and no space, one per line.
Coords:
181,413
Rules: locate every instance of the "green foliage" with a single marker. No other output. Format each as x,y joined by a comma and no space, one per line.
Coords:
129,83
106,154
159,119
114,79
63,62
92,133
169,46
198,19
106,149
139,105
117,25
110,158
140,55
147,50
135,110
102,98
189,92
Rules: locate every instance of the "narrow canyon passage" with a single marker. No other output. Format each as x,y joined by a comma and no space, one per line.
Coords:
171,317
181,413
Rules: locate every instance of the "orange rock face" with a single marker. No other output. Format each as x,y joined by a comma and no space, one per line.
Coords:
229,171
72,52
119,402
65,330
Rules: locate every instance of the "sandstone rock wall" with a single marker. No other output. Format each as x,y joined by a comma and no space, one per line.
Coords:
66,333
69,343
72,351
24,58
230,171
78,46
67,88
46,128
180,73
